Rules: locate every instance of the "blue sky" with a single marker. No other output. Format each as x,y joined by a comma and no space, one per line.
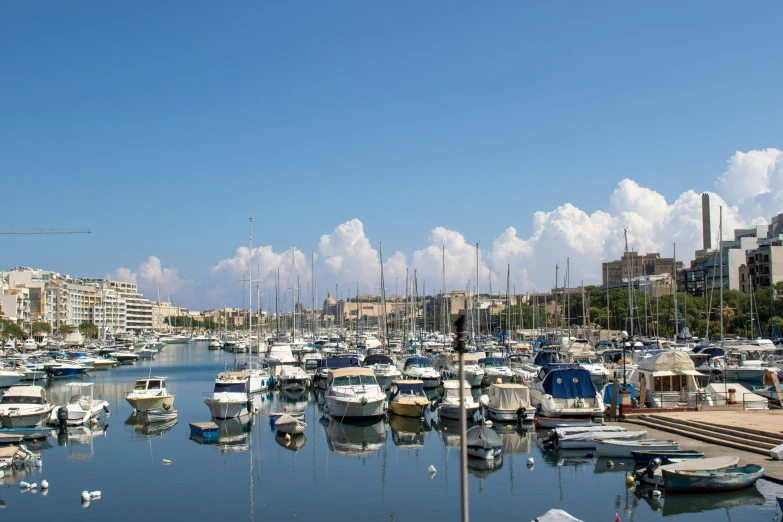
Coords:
163,127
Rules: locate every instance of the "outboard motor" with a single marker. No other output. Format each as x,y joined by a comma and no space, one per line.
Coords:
649,470
62,416
521,416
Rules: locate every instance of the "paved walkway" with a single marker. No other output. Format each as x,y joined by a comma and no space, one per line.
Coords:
760,420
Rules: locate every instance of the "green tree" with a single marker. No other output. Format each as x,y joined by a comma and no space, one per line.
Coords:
11,329
41,327
65,329
88,330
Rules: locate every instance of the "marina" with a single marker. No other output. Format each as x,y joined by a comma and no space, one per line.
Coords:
258,471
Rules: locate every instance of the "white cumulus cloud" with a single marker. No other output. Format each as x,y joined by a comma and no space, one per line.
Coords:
150,276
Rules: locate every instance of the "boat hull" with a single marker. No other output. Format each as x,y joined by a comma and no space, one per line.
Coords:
645,457
605,448
150,403
499,415
25,419
408,409
719,480
225,409
451,411
479,452
355,409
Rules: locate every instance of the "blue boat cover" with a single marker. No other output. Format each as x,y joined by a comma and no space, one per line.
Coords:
568,383
608,393
404,386
338,362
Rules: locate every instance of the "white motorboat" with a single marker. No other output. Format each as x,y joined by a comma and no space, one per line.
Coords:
565,390
280,354
260,378
9,377
80,409
146,353
587,439
24,406
449,404
507,403
293,378
474,373
230,397
420,368
495,370
125,357
623,448
407,398
149,394
483,443
214,344
383,367
354,393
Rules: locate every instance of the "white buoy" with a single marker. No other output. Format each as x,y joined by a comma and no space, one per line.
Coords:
85,496
24,485
95,494
530,461
656,493
34,485
166,461
44,484
432,469
488,424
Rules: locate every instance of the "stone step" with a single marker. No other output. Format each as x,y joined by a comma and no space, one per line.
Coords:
701,435
767,438
709,432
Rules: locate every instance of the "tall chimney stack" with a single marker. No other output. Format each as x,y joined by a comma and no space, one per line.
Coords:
705,221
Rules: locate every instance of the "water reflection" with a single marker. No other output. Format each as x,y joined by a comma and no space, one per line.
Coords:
701,503
355,439
408,432
293,442
482,468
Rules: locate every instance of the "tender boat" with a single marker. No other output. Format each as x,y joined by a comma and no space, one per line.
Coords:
354,393
24,406
420,368
563,390
623,448
715,480
289,425
587,440
653,473
230,397
483,443
666,457
507,403
160,415
408,398
293,378
80,409
449,404
149,394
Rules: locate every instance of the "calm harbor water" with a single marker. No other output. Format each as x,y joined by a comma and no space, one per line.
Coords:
337,471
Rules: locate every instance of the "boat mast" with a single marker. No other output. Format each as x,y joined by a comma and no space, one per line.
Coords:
676,307
312,276
568,296
383,299
444,311
630,295
250,297
607,297
508,302
478,295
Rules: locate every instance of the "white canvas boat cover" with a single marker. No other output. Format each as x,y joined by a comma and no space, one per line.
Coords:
676,362
741,394
26,391
557,515
509,396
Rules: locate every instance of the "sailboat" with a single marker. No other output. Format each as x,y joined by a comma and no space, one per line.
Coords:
260,377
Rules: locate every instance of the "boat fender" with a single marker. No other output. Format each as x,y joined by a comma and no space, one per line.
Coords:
629,480
106,409
656,493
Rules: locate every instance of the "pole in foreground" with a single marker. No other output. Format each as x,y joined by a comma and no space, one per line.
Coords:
462,337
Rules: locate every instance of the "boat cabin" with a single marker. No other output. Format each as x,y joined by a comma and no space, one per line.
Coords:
417,362
232,382
352,377
151,384
407,388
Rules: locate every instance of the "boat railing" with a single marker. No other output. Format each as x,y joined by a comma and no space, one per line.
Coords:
755,402
675,399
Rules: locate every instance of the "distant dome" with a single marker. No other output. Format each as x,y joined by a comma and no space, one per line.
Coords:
329,301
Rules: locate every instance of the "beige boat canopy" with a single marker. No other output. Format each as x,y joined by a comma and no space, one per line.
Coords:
233,375
509,396
349,372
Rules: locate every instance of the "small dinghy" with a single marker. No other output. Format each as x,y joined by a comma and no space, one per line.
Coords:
653,473
715,480
483,443
160,415
289,425
298,415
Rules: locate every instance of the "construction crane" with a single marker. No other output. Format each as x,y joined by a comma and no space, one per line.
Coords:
31,230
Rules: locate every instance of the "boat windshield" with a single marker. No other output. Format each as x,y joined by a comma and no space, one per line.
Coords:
17,399
235,387
355,380
493,363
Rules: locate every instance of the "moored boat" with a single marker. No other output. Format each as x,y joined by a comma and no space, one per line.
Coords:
483,443
230,396
507,403
289,425
149,394
160,415
666,456
407,398
653,473
81,408
354,393
24,406
623,448
450,404
714,480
